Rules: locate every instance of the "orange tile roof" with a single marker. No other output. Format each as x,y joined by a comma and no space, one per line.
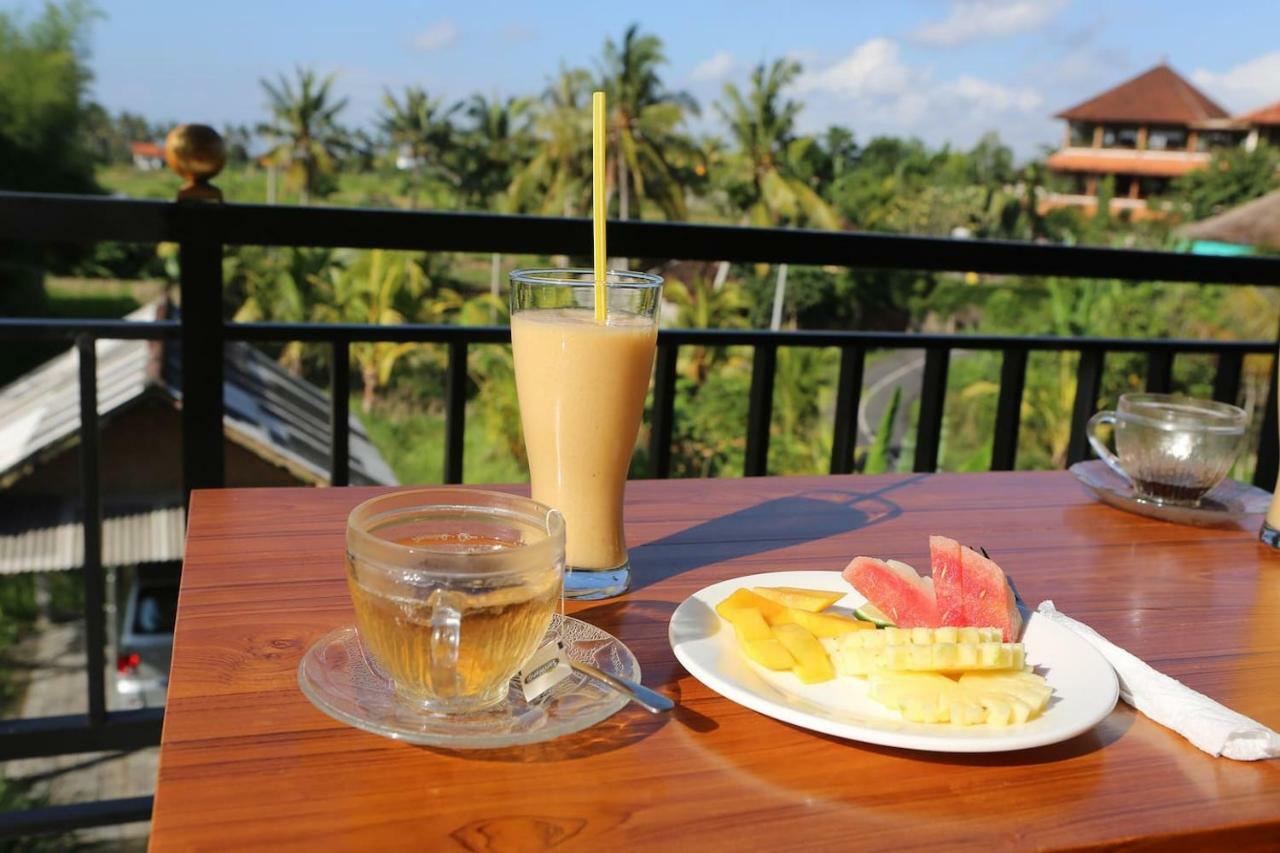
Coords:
147,149
1158,96
1269,114
1106,162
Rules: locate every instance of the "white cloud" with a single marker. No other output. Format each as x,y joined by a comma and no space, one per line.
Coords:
438,36
873,90
1249,85
715,67
874,69
972,20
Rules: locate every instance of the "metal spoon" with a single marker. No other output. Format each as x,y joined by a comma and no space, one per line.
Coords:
651,700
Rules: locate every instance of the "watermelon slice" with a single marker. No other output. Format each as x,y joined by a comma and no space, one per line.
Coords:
948,580
896,589
987,597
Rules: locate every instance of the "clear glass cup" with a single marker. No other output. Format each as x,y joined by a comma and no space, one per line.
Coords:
581,386
453,590
1173,449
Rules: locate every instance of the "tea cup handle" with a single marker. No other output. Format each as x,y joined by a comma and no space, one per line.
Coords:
446,631
1104,453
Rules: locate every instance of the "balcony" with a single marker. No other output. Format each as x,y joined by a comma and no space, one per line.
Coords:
203,230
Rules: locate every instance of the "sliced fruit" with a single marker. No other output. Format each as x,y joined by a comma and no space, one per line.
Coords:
812,663
822,624
812,600
996,699
745,598
870,613
896,589
748,624
920,637
948,579
770,654
939,657
988,599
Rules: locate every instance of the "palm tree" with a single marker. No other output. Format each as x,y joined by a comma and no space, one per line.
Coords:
420,129
380,287
768,174
303,128
494,146
644,118
557,179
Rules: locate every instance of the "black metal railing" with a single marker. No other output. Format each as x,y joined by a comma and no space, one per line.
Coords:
204,230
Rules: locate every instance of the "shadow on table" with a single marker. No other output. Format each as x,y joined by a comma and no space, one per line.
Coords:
768,526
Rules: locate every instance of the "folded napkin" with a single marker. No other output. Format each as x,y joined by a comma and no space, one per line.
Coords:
1208,725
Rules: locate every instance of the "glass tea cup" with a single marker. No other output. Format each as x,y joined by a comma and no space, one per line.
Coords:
453,590
1172,449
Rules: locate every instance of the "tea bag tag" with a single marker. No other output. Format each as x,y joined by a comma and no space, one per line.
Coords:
547,668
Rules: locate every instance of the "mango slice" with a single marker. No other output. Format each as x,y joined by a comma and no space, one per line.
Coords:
812,600
822,624
748,624
812,663
746,599
770,654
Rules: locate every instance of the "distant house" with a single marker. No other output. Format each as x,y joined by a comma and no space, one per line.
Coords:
1143,133
276,429
1263,125
147,156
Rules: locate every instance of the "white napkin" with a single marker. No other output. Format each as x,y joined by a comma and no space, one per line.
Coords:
1208,725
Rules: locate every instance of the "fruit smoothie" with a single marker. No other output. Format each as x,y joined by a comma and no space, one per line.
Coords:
581,387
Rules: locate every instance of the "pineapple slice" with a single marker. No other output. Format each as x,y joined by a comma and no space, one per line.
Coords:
998,699
944,657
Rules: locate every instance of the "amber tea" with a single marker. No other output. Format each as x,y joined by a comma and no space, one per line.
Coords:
451,598
499,628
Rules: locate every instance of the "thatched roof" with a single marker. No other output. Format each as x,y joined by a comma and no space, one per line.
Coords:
1256,223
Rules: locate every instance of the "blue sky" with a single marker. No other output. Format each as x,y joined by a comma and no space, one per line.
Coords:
944,70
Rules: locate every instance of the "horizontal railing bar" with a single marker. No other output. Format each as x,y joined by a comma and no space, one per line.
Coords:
65,735
51,218
59,819
45,328
352,333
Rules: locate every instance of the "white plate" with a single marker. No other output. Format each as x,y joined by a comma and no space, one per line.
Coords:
1084,685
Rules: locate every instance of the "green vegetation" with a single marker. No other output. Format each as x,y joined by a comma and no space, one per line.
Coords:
532,154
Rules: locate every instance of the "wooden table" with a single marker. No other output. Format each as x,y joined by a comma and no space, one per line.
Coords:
246,761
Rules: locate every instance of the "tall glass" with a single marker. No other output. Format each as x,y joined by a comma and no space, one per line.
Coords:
581,386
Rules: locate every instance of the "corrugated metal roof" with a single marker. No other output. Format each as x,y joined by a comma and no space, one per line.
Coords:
267,408
151,536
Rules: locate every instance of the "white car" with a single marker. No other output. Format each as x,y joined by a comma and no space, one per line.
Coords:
146,637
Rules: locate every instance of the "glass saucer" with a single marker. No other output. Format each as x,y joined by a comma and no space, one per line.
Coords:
333,674
1231,501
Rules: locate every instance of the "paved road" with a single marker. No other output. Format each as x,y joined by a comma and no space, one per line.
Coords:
58,686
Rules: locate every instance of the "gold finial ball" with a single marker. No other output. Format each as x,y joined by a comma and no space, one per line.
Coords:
195,152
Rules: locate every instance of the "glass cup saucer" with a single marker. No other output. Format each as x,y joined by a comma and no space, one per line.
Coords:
336,678
1228,503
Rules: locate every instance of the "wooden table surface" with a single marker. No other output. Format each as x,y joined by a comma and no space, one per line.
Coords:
246,761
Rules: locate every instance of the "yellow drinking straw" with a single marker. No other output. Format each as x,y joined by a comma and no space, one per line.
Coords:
598,201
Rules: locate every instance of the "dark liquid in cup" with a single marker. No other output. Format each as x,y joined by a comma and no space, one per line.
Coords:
1171,488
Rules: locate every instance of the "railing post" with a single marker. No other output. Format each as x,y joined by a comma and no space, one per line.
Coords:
196,153
1088,383
1264,473
91,504
455,411
760,410
844,438
933,393
1013,380
660,420
339,413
